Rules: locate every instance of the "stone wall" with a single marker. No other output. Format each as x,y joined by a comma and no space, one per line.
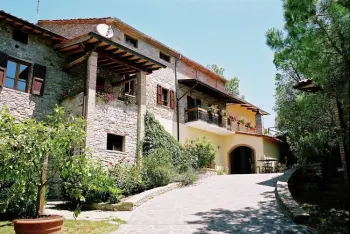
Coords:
38,50
117,118
205,99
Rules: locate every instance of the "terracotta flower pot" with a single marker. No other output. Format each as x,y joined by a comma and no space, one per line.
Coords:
51,224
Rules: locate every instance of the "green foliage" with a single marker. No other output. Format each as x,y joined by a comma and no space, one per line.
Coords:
216,69
25,148
316,45
128,178
157,169
222,171
199,153
232,86
188,177
85,180
156,137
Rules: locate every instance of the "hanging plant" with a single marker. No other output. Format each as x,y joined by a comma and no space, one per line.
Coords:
248,125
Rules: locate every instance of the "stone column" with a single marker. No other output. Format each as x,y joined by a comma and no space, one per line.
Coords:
141,98
259,124
90,98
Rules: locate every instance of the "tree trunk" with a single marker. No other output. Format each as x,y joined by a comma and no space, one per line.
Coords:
340,140
40,197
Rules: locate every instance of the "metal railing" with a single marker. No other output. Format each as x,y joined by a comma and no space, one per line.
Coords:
198,113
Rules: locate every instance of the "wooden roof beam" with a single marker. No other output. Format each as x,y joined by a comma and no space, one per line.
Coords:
121,82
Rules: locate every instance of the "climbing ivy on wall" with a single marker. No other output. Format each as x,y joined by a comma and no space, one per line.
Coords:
157,137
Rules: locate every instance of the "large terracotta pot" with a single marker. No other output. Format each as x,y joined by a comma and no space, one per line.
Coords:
51,224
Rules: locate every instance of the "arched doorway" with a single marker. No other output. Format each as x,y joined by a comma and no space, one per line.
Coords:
242,160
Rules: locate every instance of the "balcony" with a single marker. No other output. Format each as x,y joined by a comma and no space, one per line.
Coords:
200,118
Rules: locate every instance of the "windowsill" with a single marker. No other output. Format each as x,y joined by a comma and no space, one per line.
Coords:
116,151
164,106
17,91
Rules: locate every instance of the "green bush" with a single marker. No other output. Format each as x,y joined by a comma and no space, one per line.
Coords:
156,137
128,178
157,169
199,152
187,177
85,181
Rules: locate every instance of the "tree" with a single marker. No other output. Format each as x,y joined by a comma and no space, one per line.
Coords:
29,148
216,69
232,85
316,45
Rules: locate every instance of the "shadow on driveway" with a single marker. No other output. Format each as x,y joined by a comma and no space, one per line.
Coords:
267,218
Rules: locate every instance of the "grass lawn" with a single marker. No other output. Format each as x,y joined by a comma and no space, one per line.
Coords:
76,227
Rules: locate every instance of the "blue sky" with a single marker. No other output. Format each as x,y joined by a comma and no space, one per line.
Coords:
229,33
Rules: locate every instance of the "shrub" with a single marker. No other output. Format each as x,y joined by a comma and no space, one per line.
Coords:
222,171
86,181
187,177
156,137
128,178
157,169
200,152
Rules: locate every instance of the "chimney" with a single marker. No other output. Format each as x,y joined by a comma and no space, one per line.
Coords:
259,124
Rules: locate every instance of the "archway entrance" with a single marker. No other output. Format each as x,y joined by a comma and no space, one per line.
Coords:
242,160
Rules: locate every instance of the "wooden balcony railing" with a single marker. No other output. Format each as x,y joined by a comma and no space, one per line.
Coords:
198,113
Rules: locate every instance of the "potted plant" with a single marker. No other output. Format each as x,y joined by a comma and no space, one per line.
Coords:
210,111
248,125
26,148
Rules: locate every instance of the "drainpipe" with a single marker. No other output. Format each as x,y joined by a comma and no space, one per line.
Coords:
177,99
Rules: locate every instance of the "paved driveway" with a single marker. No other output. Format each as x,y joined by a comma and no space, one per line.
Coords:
219,204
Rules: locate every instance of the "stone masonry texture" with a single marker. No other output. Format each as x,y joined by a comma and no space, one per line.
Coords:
38,50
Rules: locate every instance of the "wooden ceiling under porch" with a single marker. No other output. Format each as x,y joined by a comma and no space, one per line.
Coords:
112,56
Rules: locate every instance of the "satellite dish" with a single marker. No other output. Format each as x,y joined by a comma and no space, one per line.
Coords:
105,30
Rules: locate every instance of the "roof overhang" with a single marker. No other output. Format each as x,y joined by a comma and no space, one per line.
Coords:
209,90
112,55
138,35
29,27
272,138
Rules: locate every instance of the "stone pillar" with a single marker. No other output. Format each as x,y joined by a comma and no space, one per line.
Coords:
141,98
90,99
259,124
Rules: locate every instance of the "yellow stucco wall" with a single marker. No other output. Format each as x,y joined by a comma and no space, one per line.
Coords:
225,144
241,112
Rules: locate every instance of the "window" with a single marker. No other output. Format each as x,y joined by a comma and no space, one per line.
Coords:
164,57
115,142
14,74
131,41
17,74
165,97
129,87
20,36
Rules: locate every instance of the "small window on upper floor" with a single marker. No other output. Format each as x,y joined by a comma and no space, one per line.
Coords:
20,36
131,41
115,142
164,57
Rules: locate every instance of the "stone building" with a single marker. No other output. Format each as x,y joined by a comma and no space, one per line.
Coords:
116,80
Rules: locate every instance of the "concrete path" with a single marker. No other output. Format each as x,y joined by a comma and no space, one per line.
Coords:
219,204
